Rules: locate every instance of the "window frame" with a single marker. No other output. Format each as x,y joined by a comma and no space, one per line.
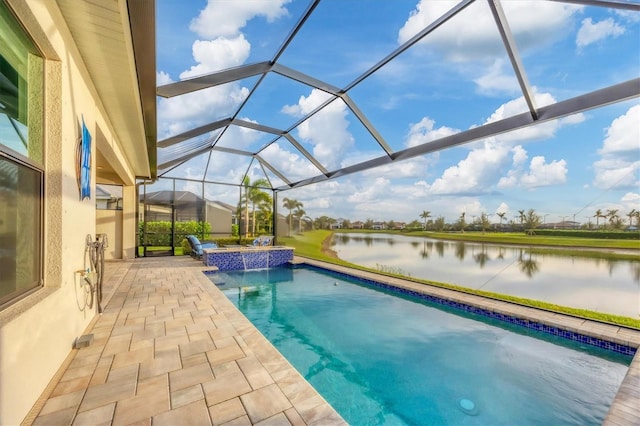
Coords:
16,296
36,166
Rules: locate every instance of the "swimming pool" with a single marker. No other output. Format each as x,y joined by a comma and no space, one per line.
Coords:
383,359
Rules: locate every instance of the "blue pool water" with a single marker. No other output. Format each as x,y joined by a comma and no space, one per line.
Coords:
379,358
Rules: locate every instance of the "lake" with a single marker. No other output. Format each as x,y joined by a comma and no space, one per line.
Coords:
601,285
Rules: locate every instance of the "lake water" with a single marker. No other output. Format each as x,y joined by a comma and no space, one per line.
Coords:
611,286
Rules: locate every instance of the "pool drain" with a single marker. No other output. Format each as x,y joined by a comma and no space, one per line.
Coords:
467,406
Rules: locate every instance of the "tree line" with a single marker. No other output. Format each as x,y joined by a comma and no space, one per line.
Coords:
256,209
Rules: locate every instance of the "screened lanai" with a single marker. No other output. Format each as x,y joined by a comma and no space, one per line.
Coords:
328,89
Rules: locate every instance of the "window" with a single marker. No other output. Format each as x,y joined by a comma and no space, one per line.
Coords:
21,160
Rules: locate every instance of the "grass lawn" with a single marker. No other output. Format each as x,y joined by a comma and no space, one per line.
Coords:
177,251
317,245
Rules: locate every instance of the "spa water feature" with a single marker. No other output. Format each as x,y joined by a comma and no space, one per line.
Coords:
245,258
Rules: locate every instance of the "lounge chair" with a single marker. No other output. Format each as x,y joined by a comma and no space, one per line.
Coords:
197,247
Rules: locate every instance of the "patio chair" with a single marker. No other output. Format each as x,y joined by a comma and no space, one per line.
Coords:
197,247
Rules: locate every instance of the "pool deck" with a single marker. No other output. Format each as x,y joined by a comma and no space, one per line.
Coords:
170,348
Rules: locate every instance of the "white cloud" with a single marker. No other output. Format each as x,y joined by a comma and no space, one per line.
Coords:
615,173
292,165
181,113
307,104
162,78
630,201
327,131
372,192
470,207
519,155
503,208
541,131
513,176
593,32
225,19
540,173
218,54
476,173
424,132
487,163
497,81
619,160
631,197
225,46
545,174
411,168
623,136
239,137
472,34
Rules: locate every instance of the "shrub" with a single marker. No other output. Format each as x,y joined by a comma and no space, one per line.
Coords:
186,247
608,235
158,233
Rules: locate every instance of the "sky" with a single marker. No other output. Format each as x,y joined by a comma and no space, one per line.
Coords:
457,78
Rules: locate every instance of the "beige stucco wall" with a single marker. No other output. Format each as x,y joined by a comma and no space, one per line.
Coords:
110,222
37,333
220,220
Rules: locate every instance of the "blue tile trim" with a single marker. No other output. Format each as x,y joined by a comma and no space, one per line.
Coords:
522,322
247,259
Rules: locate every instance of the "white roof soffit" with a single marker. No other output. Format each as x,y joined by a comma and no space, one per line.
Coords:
116,40
599,98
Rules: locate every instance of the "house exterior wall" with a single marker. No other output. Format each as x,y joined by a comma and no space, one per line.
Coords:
110,222
37,332
220,220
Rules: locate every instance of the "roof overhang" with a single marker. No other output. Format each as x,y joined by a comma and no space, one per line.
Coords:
116,39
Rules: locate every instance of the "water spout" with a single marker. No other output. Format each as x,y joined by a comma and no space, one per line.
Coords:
255,259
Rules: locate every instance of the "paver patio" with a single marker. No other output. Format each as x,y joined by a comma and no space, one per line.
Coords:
171,349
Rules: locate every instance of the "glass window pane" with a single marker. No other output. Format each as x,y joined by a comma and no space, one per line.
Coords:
21,89
20,224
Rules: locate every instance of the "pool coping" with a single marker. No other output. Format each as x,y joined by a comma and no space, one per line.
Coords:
624,409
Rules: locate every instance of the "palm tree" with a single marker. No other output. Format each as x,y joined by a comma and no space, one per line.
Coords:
462,222
521,216
598,215
501,215
532,221
631,215
424,215
612,214
298,214
265,217
290,204
484,222
255,196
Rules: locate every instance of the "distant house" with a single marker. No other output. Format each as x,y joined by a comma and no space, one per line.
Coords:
339,224
399,225
108,197
567,224
357,225
379,225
